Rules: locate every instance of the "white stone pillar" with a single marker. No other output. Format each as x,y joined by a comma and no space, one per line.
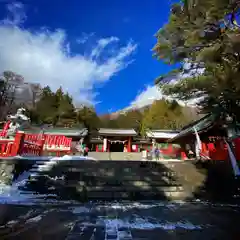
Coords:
197,151
198,144
105,144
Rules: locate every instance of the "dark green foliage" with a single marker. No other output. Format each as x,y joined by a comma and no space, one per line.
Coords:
164,114
54,108
204,34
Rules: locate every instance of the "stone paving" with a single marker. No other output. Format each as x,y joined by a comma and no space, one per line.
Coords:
121,221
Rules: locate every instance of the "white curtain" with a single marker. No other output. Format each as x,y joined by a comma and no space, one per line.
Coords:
198,145
104,144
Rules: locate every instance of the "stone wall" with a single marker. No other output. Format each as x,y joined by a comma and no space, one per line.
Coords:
207,180
116,155
6,171
10,169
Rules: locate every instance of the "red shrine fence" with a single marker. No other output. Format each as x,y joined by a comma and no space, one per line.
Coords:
26,144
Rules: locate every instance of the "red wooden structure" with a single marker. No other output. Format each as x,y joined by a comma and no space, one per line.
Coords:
56,144
26,144
218,150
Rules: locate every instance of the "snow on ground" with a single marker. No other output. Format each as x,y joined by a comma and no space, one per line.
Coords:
12,194
145,224
65,157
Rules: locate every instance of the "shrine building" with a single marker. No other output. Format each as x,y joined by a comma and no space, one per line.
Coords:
128,140
113,140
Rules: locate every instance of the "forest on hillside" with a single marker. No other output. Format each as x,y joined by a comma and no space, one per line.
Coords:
56,109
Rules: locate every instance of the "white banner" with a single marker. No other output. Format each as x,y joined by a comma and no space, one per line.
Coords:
104,144
233,161
198,144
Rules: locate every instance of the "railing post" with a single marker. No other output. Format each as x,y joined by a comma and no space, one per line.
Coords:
42,142
18,144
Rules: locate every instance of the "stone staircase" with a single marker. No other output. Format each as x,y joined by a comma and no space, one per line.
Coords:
86,180
105,180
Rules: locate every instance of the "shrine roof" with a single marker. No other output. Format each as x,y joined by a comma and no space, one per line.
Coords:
117,132
68,132
200,125
162,134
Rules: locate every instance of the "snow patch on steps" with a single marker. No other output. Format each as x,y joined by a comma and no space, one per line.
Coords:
12,194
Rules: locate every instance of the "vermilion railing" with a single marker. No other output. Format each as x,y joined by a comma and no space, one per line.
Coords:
57,144
7,148
34,145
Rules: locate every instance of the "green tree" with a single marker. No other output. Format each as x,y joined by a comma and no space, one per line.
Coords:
130,119
204,38
111,123
54,108
163,115
65,110
46,107
88,117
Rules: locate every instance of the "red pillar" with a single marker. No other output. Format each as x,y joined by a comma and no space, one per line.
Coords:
129,144
41,149
18,144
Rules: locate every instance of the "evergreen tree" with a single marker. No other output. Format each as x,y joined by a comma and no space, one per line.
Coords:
203,36
130,119
46,107
90,120
88,117
54,108
163,115
65,110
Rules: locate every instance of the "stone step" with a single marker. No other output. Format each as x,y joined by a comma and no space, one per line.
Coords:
122,178
139,184
113,182
100,182
109,180
113,172
134,196
106,195
127,188
88,188
110,164
40,170
38,177
41,162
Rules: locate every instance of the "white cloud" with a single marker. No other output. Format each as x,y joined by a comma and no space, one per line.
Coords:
16,14
101,44
146,97
153,93
45,57
84,38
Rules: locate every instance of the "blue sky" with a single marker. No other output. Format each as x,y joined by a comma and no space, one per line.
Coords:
99,51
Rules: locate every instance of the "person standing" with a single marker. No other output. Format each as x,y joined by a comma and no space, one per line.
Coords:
157,153
85,152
